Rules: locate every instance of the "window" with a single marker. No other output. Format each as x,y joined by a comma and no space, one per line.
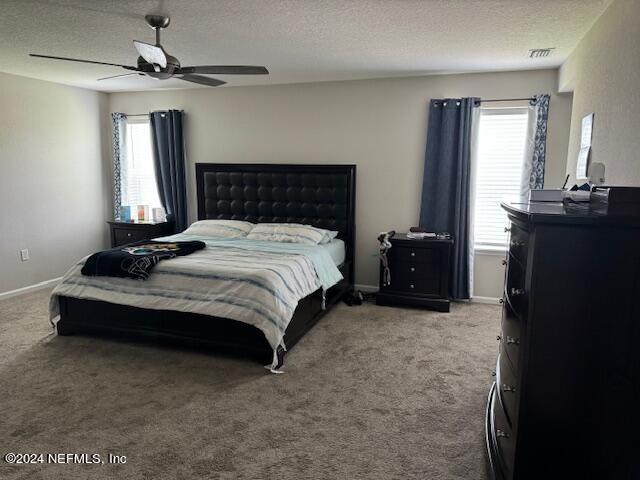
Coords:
501,146
137,172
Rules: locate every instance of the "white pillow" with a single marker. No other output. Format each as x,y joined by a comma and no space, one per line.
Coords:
329,235
287,233
220,228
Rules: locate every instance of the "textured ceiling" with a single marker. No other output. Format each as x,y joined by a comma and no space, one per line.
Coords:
298,40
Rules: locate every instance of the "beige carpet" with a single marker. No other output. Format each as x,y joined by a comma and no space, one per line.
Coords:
370,393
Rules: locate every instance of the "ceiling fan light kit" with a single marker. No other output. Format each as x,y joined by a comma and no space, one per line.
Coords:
156,63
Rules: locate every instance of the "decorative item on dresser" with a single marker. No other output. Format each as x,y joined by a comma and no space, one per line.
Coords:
127,232
565,399
419,273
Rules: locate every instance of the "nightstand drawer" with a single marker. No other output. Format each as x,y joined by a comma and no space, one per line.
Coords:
415,270
123,232
416,278
124,235
414,255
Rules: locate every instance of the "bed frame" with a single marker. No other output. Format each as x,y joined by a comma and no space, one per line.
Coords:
319,195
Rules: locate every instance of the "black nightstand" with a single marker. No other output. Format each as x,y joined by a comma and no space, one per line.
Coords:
128,232
419,273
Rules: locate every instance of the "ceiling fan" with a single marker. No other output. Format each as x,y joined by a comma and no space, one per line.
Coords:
156,63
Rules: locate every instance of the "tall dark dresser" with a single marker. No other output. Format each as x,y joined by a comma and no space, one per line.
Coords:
565,403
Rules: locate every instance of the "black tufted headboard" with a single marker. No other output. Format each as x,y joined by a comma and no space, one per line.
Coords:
318,195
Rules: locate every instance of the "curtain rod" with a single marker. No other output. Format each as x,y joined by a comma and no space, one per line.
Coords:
508,99
144,114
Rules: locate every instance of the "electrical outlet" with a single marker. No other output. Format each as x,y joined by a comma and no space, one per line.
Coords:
24,254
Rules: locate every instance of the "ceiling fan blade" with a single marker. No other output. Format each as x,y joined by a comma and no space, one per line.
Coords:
123,75
81,61
151,53
210,82
226,69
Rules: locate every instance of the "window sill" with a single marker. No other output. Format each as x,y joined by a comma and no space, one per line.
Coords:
490,250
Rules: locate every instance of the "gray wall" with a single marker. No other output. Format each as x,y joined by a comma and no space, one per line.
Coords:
604,74
52,178
379,125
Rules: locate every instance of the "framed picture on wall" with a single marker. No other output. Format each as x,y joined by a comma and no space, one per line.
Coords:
582,166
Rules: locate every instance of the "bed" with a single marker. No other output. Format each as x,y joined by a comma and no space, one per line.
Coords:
318,195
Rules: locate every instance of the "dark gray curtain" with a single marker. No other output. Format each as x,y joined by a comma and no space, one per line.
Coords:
168,152
446,184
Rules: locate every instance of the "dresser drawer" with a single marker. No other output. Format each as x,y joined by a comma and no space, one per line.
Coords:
508,388
414,255
126,235
503,437
519,243
515,292
512,335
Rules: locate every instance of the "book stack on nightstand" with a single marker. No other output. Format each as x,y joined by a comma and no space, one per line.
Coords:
123,233
419,273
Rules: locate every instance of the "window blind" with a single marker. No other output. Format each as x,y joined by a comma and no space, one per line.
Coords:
139,186
501,146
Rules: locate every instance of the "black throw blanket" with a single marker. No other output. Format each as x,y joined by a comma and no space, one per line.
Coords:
136,260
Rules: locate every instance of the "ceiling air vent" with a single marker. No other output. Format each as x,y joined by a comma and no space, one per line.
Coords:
540,52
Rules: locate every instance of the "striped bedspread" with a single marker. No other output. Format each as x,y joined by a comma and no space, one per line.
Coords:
255,282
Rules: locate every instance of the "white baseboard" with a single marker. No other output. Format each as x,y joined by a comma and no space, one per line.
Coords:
487,300
484,300
366,288
29,288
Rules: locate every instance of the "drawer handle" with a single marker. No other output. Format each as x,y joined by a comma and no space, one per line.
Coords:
501,301
500,433
517,243
413,269
508,388
507,229
411,286
413,254
504,262
512,340
517,292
